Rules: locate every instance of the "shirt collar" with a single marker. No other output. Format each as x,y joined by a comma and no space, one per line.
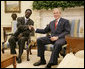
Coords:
58,20
26,18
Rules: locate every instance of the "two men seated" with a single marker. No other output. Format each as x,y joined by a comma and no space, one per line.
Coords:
58,28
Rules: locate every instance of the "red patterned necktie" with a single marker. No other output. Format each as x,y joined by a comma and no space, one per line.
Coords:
56,24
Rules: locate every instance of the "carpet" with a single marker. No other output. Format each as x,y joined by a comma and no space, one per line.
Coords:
69,61
33,59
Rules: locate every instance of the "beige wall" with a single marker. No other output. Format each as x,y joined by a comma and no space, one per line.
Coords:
41,17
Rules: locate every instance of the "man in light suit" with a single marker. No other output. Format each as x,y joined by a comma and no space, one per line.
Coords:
22,33
58,28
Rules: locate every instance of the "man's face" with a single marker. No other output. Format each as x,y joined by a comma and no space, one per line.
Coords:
56,13
27,14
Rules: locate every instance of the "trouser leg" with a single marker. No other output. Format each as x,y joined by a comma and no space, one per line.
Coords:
12,43
21,43
40,45
56,50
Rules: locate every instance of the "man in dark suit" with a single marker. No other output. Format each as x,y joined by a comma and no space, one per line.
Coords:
22,33
58,28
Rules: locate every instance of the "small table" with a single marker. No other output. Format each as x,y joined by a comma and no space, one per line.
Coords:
75,43
6,29
7,59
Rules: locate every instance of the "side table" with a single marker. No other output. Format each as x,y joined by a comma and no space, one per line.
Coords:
8,59
74,43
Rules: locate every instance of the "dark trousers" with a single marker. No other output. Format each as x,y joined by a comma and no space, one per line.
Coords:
56,49
21,43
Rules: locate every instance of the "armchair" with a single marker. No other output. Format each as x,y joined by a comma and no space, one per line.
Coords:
5,43
74,31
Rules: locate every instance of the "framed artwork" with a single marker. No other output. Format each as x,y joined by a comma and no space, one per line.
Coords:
12,6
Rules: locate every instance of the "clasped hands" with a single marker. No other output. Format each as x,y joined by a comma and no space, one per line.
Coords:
54,38
31,27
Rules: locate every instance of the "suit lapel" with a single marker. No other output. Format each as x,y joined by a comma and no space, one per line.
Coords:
23,20
27,21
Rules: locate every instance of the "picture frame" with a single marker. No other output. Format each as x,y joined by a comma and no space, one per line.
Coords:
12,6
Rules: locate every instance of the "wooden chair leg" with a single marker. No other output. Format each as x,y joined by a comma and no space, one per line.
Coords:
28,50
2,47
63,52
3,50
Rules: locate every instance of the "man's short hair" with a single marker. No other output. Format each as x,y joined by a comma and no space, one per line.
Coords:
57,9
29,10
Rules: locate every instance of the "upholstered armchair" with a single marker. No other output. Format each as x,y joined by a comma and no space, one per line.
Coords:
74,31
5,43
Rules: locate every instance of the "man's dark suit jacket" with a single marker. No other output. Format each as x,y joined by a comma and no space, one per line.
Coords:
22,26
62,29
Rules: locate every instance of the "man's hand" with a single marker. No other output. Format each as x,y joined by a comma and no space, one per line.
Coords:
20,35
54,38
31,27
